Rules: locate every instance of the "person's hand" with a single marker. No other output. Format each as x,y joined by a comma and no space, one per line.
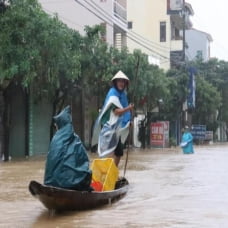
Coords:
131,106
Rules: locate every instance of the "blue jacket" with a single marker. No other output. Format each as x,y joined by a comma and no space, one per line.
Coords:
126,117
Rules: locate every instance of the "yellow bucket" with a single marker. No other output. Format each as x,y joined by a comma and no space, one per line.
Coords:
105,171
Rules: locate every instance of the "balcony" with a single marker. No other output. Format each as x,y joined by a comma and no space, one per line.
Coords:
120,11
183,18
176,45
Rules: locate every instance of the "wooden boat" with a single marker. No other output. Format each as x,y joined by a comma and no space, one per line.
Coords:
60,199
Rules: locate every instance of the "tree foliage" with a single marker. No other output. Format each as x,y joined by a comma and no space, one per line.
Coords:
212,91
178,90
35,48
208,102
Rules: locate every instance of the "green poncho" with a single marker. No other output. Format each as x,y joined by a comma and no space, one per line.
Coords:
67,164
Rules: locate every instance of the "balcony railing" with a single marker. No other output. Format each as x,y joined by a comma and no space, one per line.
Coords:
176,45
120,12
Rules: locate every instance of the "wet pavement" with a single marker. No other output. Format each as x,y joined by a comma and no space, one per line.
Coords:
167,190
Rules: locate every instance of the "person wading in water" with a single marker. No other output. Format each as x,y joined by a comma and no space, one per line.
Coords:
187,141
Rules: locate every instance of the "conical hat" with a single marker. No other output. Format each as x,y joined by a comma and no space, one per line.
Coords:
120,75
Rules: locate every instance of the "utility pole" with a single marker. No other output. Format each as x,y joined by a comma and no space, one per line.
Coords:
184,27
184,114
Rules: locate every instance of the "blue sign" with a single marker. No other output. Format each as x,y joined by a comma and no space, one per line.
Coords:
191,99
198,131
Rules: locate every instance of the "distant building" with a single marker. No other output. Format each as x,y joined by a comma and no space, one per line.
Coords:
180,24
198,45
156,28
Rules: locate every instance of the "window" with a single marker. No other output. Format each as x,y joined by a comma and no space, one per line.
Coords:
129,24
163,31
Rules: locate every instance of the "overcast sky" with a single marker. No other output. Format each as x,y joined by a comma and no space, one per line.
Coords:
212,17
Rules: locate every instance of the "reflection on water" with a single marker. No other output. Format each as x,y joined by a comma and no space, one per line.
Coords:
167,189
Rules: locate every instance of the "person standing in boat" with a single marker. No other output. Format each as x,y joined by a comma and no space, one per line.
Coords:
67,164
112,126
187,141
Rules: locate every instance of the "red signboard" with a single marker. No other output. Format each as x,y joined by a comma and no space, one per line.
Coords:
157,136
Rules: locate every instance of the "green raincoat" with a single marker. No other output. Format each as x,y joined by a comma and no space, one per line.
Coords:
67,164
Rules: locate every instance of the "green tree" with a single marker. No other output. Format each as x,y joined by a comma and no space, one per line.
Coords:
36,51
178,90
96,63
208,102
216,73
36,47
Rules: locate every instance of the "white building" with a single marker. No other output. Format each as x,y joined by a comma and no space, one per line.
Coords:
79,13
198,45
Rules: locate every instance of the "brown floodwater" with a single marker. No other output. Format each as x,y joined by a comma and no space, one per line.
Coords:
167,189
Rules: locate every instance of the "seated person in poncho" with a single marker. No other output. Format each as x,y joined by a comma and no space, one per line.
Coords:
67,164
112,126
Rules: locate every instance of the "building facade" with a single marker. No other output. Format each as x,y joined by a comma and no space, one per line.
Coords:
160,26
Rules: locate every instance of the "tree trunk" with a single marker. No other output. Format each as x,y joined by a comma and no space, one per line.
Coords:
2,107
26,123
4,126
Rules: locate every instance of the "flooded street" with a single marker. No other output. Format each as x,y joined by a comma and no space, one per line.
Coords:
167,189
